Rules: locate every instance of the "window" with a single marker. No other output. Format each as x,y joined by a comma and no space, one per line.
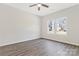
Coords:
57,26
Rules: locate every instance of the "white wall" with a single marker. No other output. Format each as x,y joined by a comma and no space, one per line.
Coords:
73,24
17,25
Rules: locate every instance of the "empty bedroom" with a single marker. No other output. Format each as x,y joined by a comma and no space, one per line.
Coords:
39,29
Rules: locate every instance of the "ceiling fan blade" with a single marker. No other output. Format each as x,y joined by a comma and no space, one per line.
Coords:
38,8
32,5
45,5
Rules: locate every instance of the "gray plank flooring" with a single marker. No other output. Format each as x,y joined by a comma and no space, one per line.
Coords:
39,47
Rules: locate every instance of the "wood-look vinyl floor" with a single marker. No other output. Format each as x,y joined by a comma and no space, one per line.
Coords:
39,47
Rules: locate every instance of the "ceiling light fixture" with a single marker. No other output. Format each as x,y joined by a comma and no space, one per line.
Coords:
39,5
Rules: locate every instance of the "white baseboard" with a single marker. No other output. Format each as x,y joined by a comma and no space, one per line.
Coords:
13,42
